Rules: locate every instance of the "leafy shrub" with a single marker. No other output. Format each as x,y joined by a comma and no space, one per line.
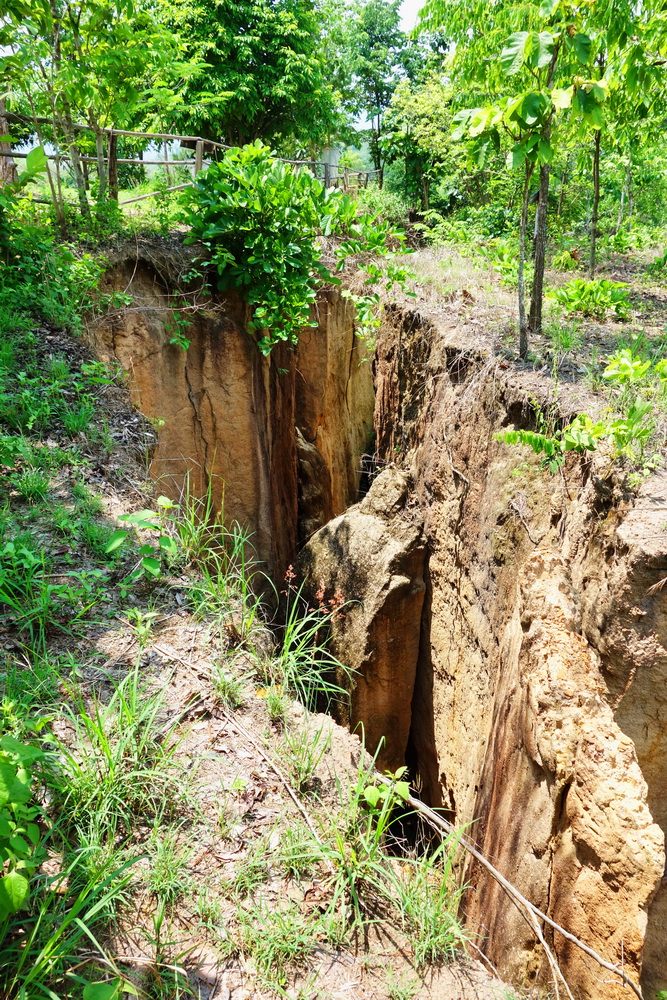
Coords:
566,260
503,256
593,298
383,204
658,263
261,220
581,435
20,836
624,367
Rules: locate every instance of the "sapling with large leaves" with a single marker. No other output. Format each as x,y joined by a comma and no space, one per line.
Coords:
542,61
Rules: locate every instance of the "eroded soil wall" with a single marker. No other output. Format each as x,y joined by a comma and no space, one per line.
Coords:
227,417
539,715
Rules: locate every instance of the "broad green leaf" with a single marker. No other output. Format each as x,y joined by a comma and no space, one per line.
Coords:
402,790
372,795
165,503
20,846
582,47
542,47
545,153
14,891
116,541
600,90
142,518
168,545
562,99
532,108
109,990
478,122
516,155
7,782
514,52
35,161
151,566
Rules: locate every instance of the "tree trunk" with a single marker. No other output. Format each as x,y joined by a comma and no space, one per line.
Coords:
8,172
113,166
535,318
630,197
165,154
79,179
596,203
521,282
563,179
101,167
426,191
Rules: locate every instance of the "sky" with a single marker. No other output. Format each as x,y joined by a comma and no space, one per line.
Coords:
409,10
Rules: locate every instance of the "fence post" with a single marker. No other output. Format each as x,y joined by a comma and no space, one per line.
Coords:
199,156
112,150
327,175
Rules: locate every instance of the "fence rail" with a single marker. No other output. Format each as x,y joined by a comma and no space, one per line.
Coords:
331,174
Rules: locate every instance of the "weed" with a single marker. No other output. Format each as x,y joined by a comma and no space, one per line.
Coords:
302,662
278,939
403,987
429,906
363,881
228,688
87,502
60,918
31,484
593,298
168,877
304,749
566,260
141,622
20,836
77,418
253,871
299,857
276,704
564,336
124,766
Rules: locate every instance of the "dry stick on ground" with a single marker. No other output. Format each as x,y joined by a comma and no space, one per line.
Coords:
439,824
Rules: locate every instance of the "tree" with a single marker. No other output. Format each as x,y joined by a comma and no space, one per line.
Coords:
537,58
92,62
417,129
261,70
368,54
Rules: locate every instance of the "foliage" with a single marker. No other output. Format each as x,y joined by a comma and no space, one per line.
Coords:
593,298
151,555
302,663
581,435
566,260
90,62
417,128
261,221
20,836
261,72
625,368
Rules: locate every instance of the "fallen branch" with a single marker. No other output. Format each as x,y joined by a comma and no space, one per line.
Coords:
533,913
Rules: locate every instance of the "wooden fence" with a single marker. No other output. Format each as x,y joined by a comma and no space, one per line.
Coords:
205,152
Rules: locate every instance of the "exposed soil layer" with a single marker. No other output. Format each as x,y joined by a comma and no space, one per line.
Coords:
226,416
538,714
